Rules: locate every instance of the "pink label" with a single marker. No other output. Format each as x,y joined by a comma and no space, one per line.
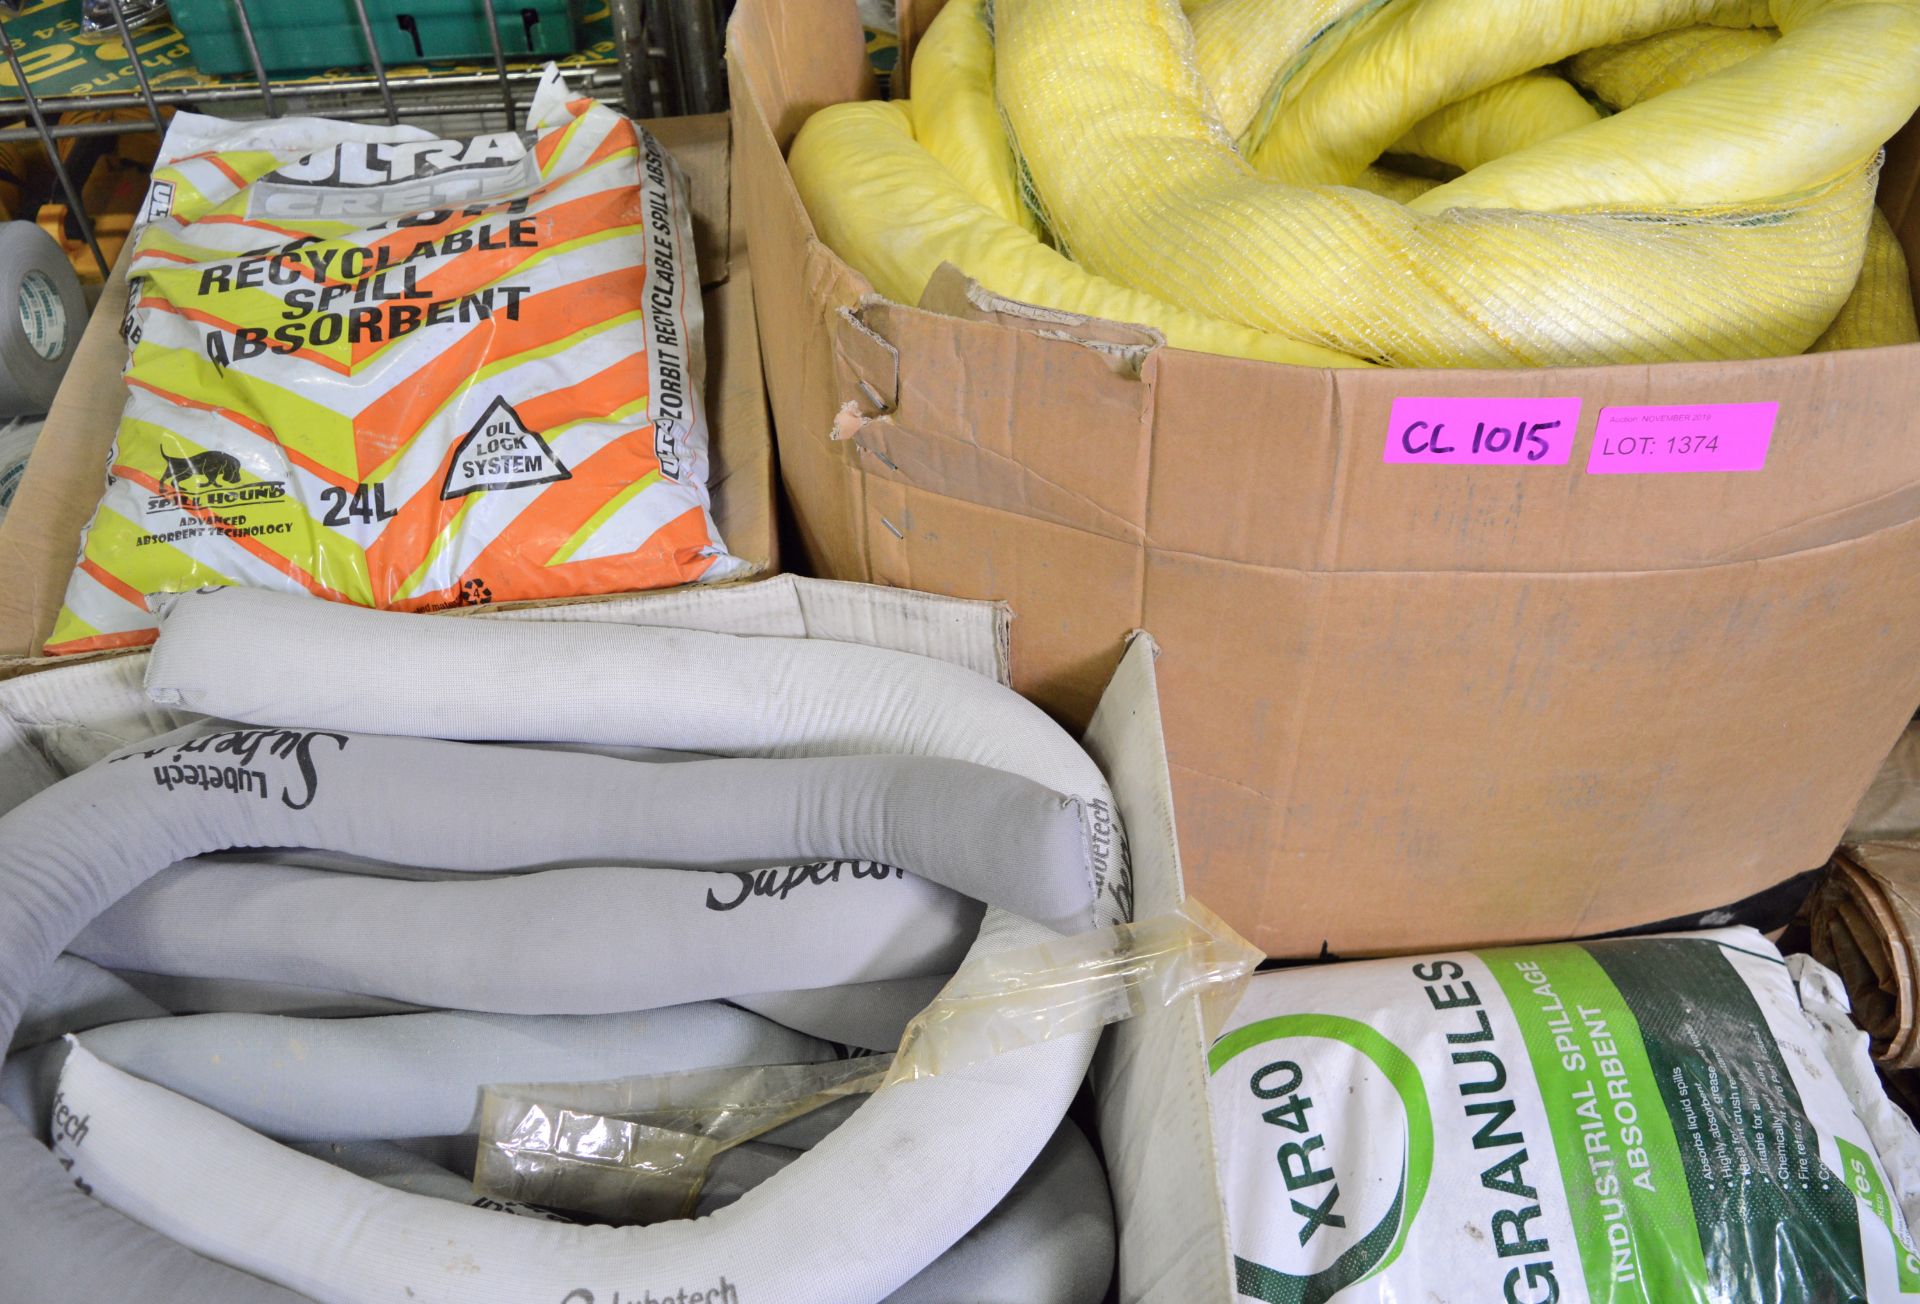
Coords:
1696,437
1483,431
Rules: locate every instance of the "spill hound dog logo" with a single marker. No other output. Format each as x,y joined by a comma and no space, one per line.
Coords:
209,481
213,467
1352,1192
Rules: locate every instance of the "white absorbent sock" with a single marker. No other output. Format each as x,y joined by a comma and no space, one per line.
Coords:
74,995
873,1015
566,941
406,1170
408,1075
411,799
171,1163
926,1160
1049,1242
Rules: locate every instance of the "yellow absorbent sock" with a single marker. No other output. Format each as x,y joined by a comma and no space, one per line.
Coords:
1501,120
1370,78
1244,50
1401,187
1880,311
1736,230
1623,75
956,119
1375,73
895,214
1724,212
1241,46
1843,78
954,115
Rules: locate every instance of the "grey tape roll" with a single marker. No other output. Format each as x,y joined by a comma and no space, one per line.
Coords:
17,439
41,316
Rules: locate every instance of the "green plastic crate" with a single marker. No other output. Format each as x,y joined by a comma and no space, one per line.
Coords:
309,35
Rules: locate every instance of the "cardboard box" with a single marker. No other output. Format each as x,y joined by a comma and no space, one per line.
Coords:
1408,706
40,537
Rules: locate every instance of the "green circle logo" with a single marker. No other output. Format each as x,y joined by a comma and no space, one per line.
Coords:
1282,1089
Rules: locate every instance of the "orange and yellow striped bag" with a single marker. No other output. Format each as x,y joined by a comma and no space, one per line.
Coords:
405,372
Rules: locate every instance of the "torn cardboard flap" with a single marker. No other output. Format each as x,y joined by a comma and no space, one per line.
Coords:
897,453
895,428
952,292
1078,453
869,365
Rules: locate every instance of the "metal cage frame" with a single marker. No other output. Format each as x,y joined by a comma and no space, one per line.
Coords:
678,73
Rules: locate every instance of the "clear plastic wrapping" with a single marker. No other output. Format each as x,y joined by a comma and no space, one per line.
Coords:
639,1149
1018,998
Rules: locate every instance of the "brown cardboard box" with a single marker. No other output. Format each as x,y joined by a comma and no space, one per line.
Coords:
1407,706
40,537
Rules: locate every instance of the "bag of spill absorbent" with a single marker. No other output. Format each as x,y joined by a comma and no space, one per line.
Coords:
1659,1120
387,369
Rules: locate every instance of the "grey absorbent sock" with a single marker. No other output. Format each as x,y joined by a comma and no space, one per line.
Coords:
193,994
869,1015
296,781
591,940
1050,1241
420,1074
75,995
990,1110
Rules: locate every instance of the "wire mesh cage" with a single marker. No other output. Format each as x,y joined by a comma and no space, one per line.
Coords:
656,58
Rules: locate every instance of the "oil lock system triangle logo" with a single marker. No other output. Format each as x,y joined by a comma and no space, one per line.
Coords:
501,452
